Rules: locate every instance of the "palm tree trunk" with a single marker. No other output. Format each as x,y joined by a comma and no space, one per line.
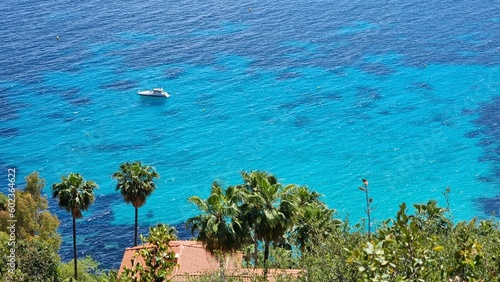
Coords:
135,230
266,256
74,248
255,255
221,261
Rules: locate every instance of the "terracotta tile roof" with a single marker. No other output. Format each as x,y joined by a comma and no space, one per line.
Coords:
191,258
194,260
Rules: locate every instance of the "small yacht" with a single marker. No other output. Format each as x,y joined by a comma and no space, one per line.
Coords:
156,92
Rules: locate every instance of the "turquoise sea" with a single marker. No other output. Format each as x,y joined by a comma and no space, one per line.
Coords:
320,93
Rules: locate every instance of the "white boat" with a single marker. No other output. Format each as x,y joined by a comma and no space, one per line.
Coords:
156,92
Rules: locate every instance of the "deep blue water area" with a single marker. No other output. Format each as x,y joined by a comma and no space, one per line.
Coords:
320,93
489,136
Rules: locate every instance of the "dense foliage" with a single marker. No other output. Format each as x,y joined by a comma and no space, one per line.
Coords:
424,246
274,226
32,218
34,238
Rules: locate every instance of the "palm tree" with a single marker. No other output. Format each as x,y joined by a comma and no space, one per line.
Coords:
312,215
247,212
312,223
269,209
75,195
218,226
303,196
136,183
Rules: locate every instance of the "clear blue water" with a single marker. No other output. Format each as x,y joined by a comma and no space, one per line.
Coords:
320,94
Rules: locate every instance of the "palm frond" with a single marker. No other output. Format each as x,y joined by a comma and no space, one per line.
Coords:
74,194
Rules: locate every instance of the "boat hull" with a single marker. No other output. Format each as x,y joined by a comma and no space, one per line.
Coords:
149,93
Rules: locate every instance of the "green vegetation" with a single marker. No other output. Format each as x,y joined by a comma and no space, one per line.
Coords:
274,225
88,271
75,195
268,209
159,259
33,220
34,238
35,261
135,183
425,246
218,227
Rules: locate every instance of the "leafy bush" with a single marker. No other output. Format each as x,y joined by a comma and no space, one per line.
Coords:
159,259
88,270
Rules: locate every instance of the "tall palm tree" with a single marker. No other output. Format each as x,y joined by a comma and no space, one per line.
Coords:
74,195
218,226
136,183
269,210
249,213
